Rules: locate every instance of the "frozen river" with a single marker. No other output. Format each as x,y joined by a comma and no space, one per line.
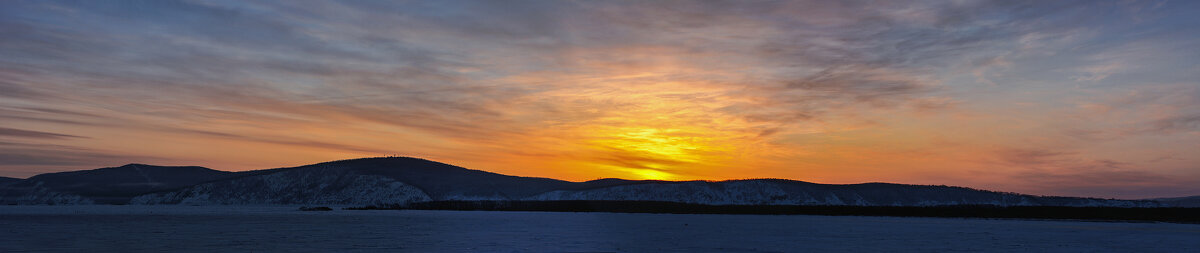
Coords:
282,229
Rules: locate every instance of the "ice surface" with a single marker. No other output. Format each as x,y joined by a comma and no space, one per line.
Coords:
283,228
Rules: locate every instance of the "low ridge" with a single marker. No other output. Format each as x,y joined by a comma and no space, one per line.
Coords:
404,180
112,185
1191,201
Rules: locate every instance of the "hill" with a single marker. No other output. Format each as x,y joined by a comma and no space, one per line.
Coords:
114,185
398,181
6,180
1193,201
373,181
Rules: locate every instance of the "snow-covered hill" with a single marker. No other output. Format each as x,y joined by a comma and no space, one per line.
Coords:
38,194
310,185
400,180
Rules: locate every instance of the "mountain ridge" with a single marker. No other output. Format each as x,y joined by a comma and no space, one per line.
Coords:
1189,201
403,180
109,185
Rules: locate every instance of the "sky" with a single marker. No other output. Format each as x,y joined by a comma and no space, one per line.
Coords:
1074,98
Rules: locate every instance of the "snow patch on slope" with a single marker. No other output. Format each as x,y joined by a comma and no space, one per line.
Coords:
39,195
301,186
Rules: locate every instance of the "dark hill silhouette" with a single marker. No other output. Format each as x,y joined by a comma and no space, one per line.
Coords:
6,180
790,192
115,185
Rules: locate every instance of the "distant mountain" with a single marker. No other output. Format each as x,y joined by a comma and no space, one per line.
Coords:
6,180
115,185
1193,201
399,181
374,181
788,192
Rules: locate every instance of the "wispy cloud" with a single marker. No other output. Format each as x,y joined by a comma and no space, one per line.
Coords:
11,132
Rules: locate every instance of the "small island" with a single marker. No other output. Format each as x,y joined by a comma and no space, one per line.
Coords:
315,208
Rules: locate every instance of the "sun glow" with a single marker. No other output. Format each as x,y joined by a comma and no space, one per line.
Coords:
655,153
672,143
651,174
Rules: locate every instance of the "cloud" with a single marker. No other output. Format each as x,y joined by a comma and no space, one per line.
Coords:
1156,110
219,54
17,155
1106,179
1173,124
12,132
859,84
1034,157
1051,172
1098,72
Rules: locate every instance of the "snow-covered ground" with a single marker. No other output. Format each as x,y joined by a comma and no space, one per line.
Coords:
281,228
